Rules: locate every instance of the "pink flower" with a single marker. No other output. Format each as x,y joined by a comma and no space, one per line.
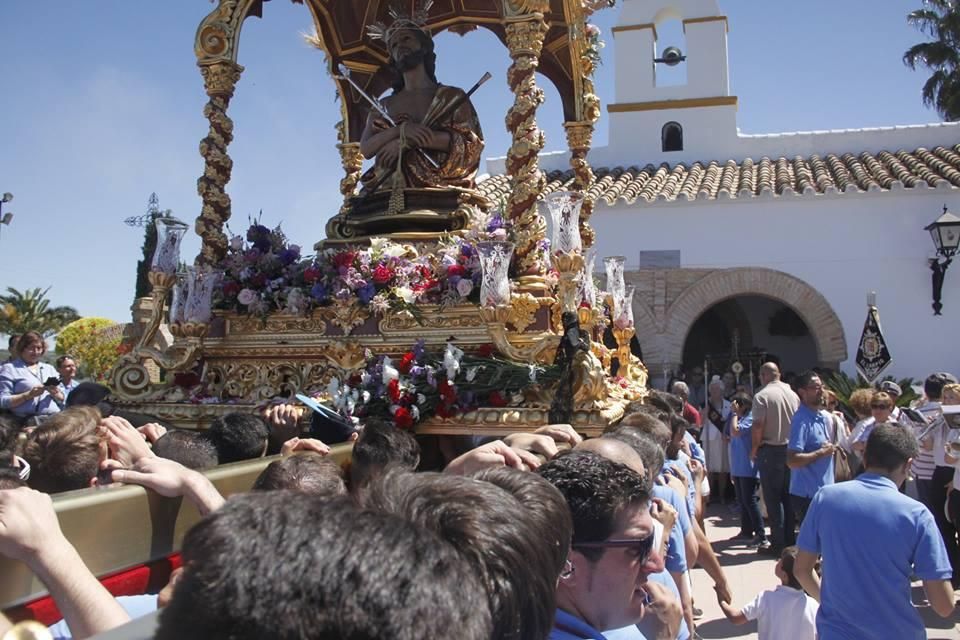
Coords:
246,297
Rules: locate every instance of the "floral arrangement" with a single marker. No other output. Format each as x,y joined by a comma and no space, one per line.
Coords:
264,273
420,385
592,34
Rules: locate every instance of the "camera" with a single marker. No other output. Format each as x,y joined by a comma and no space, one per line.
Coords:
52,381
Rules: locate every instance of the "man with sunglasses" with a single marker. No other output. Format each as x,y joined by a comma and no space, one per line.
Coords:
810,449
605,584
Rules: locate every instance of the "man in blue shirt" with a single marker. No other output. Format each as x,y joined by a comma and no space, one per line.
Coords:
872,538
809,450
605,584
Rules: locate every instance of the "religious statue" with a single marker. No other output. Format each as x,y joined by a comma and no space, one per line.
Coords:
425,140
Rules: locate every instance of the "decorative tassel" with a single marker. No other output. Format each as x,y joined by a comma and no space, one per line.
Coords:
397,201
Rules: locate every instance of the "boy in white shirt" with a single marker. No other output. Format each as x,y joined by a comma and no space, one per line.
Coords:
786,613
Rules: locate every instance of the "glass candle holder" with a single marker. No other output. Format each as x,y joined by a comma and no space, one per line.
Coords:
178,297
201,283
495,260
623,317
564,207
588,289
166,257
615,284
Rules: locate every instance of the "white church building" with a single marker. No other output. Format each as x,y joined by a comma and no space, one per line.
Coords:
762,243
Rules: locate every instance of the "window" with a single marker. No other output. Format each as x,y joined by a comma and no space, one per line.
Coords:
672,137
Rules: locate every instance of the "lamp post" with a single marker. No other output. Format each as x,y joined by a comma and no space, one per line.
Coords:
945,232
5,218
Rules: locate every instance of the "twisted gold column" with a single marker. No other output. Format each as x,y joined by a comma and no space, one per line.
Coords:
579,140
219,79
525,34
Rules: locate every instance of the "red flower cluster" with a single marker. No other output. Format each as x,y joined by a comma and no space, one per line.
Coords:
496,399
231,288
406,362
485,350
403,418
383,274
393,390
456,270
312,274
344,258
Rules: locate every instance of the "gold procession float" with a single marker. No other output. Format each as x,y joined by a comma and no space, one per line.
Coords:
418,209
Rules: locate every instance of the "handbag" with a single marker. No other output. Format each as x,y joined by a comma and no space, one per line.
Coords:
841,466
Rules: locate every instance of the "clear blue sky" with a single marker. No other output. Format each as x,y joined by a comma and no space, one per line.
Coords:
102,105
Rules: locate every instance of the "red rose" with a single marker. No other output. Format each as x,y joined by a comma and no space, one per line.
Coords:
402,418
456,270
496,400
382,274
406,362
312,274
258,281
355,380
393,390
485,350
344,259
231,289
447,391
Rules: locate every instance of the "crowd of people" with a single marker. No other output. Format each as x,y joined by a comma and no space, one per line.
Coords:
537,535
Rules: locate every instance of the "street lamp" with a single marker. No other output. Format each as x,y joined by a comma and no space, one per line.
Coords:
945,232
7,217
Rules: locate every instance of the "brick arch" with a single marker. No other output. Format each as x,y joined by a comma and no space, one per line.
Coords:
825,327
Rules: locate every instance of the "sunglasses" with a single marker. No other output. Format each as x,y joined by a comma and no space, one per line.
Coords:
641,547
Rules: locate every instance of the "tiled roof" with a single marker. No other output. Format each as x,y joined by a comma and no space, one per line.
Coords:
830,173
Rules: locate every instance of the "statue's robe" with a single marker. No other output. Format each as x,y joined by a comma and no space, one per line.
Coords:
458,165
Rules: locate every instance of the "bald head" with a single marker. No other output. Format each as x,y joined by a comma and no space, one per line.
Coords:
769,372
614,451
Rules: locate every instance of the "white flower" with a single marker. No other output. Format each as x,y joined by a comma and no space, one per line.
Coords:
333,387
415,413
296,302
365,396
533,373
378,244
389,371
379,304
464,287
365,379
246,297
394,250
451,361
406,294
499,234
421,398
236,243
472,373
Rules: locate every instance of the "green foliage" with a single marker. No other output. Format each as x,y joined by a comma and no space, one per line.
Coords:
94,342
939,19
143,265
22,311
843,385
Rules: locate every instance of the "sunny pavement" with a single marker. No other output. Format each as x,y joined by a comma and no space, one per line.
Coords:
749,573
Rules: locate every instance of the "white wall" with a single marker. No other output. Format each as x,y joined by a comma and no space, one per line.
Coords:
843,246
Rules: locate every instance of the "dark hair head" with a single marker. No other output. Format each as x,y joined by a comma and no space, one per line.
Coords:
597,491
788,558
291,565
544,505
494,532
804,380
645,423
192,449
238,436
64,452
381,445
889,446
667,402
87,394
427,48
934,384
650,452
742,399
29,338
63,359
12,343
307,471
678,426
9,431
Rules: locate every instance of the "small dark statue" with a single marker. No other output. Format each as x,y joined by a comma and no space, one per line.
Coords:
573,342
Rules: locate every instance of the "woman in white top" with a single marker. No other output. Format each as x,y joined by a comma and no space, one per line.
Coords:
715,443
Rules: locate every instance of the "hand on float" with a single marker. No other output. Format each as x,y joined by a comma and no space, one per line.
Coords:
561,433
664,513
304,444
152,432
28,525
126,444
168,478
534,443
492,454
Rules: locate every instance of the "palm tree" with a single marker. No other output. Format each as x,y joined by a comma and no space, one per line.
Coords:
939,19
31,311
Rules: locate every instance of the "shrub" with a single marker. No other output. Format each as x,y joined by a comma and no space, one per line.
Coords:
94,342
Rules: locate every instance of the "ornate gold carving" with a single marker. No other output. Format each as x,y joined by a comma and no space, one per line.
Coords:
347,315
220,78
542,350
623,337
589,380
524,308
352,161
277,324
526,7
214,39
579,139
348,356
525,41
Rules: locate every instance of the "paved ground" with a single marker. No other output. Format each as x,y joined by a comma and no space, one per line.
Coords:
749,574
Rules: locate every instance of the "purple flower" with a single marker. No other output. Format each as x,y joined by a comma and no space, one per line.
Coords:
466,249
290,255
252,255
419,348
366,292
496,222
319,292
259,235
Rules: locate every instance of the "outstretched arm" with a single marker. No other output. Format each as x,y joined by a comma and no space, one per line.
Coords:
30,533
170,479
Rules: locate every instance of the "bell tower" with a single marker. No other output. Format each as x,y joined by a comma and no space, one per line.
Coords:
663,121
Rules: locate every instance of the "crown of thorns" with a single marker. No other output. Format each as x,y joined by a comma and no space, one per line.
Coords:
416,20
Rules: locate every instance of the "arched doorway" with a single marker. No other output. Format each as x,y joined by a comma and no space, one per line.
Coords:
750,329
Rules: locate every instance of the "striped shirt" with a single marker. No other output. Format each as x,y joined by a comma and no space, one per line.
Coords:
924,463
